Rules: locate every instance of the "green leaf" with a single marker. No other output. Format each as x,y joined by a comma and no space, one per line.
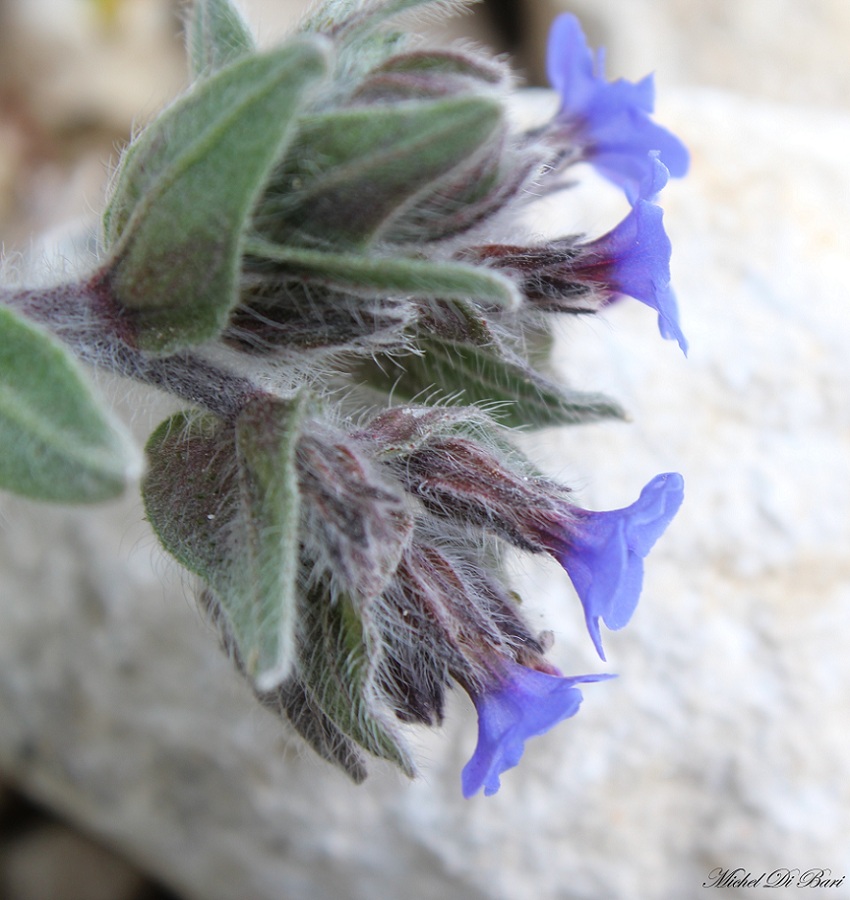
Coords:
390,275
264,611
351,170
514,393
187,188
337,669
452,62
58,442
190,491
216,35
224,501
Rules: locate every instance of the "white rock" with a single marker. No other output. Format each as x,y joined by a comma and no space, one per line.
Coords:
724,741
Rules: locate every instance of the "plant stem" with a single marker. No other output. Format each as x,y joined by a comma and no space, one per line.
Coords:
85,318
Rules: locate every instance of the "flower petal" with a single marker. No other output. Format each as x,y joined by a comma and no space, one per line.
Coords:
634,259
668,319
521,704
611,119
605,551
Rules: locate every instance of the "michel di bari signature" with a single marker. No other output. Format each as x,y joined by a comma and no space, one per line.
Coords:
778,878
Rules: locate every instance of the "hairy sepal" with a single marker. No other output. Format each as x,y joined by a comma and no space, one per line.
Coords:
340,654
352,18
355,519
462,359
294,701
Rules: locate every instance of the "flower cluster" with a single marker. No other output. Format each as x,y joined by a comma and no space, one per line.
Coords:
369,257
602,552
305,249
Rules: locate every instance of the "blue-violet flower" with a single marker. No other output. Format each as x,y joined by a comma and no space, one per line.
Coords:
610,120
603,552
634,257
519,704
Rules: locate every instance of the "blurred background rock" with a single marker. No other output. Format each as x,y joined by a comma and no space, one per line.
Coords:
723,744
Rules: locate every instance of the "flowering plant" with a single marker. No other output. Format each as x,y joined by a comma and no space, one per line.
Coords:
304,248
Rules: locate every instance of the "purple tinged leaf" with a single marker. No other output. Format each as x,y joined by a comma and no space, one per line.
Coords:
355,523
519,704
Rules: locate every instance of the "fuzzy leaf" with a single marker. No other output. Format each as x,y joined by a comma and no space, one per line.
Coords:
390,275
454,62
515,394
224,501
361,37
59,443
356,168
337,673
216,35
266,438
190,491
187,188
291,313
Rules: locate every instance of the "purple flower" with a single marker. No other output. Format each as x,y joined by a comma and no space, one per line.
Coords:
610,120
520,704
634,257
603,552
